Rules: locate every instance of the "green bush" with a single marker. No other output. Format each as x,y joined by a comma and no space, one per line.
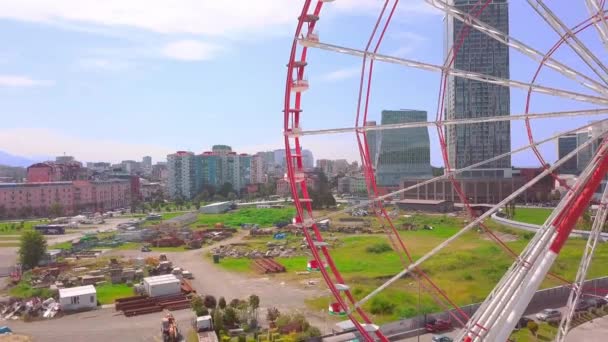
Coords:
382,306
378,248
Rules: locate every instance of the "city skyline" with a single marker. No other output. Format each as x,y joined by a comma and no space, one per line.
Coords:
90,102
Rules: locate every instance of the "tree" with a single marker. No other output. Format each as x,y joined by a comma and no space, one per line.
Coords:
254,302
272,314
197,203
31,249
235,303
56,210
197,306
226,189
231,196
222,303
230,319
218,321
209,302
179,202
533,327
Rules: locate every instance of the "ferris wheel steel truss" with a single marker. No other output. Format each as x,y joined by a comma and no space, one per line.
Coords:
499,313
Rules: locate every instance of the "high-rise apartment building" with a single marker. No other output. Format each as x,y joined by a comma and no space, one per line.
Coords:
326,166
308,161
400,153
258,173
182,182
566,144
146,165
472,143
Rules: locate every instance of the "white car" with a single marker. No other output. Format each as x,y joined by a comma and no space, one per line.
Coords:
549,315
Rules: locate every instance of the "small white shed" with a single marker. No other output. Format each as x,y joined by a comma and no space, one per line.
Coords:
78,298
162,285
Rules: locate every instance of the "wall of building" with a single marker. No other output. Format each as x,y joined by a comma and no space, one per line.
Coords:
36,199
488,190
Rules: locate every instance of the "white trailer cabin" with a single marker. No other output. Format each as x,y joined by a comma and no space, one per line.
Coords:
163,285
78,298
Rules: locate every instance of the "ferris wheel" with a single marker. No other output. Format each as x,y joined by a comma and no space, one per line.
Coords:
499,313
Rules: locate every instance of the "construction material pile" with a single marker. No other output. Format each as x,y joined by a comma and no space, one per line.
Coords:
139,305
267,265
31,308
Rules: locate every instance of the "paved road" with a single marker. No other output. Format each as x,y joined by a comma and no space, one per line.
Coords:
593,331
103,325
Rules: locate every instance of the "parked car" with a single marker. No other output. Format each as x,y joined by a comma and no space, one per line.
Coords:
437,325
597,302
549,315
442,338
583,305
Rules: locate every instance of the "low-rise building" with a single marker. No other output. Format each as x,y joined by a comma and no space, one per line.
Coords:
78,298
39,199
438,206
216,208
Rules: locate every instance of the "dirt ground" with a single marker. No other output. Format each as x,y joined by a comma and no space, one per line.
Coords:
105,324
210,279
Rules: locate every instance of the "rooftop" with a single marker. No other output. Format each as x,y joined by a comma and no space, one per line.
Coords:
77,291
419,201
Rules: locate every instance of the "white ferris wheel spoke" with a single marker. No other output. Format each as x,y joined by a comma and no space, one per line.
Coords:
519,46
456,72
514,117
469,226
599,20
574,42
577,286
503,307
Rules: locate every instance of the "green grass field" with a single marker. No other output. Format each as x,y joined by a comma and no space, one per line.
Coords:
265,217
467,270
108,293
16,228
532,215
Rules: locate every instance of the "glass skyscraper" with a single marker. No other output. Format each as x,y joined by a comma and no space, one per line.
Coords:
400,153
472,143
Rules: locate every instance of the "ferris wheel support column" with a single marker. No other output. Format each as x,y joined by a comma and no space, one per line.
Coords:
564,223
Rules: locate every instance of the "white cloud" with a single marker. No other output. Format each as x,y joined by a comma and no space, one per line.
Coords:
41,141
22,81
408,42
190,50
341,74
200,17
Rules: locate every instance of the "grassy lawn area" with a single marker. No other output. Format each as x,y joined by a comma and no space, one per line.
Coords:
24,290
62,245
107,293
467,270
532,215
546,332
265,217
16,227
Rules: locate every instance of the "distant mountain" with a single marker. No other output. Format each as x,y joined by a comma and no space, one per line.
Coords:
13,160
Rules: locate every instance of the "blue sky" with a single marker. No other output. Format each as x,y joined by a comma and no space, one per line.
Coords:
120,79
